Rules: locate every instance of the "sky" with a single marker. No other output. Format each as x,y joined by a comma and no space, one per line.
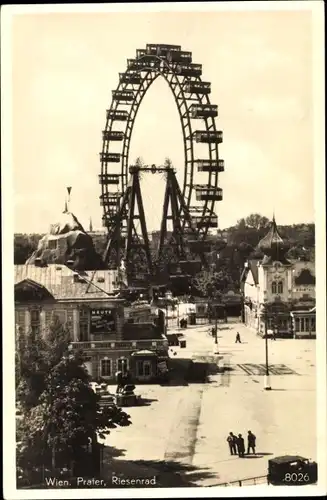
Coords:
65,65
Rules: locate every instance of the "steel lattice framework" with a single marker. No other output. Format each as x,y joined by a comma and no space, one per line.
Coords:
192,97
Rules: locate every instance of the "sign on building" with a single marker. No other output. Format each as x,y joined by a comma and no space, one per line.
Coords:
103,321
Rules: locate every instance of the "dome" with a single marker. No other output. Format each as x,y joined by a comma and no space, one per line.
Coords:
272,244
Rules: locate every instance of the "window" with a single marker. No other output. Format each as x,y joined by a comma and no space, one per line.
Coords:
83,325
274,287
313,324
280,287
297,324
35,320
52,244
106,367
122,365
144,368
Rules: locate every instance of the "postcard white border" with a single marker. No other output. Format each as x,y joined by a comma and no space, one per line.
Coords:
10,491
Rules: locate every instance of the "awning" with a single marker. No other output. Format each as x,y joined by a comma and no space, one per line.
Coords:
144,353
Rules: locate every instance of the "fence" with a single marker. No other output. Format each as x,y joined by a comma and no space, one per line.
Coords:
250,481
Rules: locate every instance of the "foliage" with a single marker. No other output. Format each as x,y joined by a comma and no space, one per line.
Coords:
24,246
36,354
66,419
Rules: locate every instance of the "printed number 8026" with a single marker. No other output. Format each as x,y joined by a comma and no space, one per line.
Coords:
296,477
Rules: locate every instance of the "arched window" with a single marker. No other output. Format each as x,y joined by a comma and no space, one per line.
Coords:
280,287
274,287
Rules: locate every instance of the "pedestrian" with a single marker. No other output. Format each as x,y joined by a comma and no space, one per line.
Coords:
240,446
251,442
231,440
238,338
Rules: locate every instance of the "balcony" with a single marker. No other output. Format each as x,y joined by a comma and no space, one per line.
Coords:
112,345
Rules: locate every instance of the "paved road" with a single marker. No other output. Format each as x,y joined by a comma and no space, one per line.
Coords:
189,424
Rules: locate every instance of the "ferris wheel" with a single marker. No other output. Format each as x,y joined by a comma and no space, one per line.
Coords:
200,189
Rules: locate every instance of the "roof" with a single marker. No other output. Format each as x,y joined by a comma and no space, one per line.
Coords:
287,458
253,267
305,278
59,281
272,237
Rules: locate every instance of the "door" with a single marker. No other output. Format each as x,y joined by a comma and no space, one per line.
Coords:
144,369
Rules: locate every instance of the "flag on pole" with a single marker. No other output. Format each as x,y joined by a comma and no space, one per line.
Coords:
69,190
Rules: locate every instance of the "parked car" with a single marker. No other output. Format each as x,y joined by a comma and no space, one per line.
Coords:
292,470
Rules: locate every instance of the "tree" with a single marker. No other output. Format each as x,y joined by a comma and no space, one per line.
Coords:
67,420
36,354
257,221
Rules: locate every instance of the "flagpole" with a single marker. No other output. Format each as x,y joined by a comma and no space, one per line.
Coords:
69,189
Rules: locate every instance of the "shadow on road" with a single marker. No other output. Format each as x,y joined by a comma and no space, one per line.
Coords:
146,401
185,371
173,473
257,455
167,473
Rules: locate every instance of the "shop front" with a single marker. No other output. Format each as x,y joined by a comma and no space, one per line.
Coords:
144,366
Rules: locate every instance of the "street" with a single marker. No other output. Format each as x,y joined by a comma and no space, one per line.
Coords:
186,424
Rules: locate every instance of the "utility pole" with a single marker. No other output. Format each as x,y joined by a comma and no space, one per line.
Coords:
216,350
267,385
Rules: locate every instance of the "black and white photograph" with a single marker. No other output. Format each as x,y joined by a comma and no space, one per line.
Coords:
163,215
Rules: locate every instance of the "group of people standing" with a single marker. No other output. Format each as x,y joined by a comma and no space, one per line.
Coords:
237,444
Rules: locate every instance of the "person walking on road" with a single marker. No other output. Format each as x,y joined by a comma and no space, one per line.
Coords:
238,338
240,446
251,442
232,443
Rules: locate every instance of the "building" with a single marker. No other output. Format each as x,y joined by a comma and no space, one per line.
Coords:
113,337
279,291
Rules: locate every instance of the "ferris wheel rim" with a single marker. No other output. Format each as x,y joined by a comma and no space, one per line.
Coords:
165,69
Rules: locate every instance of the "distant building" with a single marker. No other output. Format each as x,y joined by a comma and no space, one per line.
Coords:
113,337
279,290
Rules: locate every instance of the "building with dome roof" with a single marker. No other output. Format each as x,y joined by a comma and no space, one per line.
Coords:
279,293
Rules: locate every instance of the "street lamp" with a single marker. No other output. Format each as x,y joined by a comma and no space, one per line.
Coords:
267,385
216,350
